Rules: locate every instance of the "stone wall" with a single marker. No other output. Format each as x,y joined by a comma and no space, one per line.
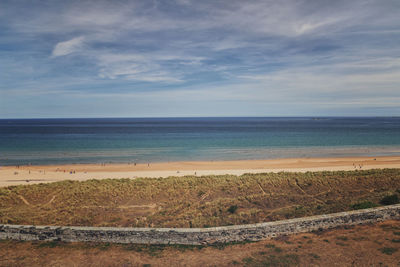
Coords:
198,236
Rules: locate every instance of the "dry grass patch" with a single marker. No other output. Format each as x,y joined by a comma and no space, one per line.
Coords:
195,201
367,245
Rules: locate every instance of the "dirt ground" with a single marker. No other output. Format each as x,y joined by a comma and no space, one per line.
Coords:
363,245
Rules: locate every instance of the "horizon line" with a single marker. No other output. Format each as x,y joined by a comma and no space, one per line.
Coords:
198,117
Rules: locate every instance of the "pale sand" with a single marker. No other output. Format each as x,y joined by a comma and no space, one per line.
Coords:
11,175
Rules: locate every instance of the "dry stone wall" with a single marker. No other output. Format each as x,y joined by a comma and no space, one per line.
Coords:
198,236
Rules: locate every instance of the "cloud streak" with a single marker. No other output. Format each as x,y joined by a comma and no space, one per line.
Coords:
231,54
68,47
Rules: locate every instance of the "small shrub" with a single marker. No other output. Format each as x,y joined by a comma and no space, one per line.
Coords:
104,246
232,209
248,260
315,256
387,250
390,200
51,244
363,205
343,238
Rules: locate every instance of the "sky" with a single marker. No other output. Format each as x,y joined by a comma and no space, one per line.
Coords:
184,58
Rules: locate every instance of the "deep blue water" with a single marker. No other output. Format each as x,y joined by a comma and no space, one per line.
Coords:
51,141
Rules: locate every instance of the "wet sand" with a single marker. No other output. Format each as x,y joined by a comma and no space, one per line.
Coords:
13,175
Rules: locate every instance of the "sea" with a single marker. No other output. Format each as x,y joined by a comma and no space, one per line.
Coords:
145,140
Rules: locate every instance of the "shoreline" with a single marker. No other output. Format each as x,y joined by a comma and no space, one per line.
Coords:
32,174
122,157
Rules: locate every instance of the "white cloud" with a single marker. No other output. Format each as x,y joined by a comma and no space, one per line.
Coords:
329,85
68,47
148,67
134,67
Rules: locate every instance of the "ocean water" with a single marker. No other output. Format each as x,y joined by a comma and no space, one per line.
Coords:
54,141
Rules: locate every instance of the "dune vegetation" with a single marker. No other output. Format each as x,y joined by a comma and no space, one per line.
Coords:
197,201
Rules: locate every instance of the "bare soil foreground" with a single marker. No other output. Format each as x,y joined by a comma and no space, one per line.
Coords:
13,175
197,201
365,245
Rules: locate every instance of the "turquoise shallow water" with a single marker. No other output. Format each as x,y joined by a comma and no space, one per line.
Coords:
54,141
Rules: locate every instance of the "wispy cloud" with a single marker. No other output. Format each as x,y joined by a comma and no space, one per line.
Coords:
68,47
230,53
148,67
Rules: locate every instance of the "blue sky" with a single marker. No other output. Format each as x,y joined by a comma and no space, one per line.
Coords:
199,58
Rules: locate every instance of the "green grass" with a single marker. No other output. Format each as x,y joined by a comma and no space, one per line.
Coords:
363,205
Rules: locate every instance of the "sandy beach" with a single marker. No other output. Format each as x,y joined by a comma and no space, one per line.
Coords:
15,175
